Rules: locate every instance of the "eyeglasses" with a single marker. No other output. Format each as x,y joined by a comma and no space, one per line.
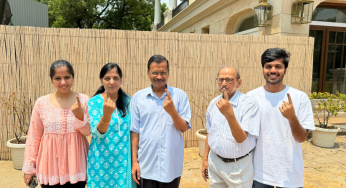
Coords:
228,80
163,73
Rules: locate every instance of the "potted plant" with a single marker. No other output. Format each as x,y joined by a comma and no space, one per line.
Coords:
202,133
21,109
328,105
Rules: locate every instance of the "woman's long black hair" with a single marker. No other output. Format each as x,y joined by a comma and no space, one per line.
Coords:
123,99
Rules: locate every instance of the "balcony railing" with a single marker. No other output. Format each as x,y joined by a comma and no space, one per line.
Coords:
180,7
159,25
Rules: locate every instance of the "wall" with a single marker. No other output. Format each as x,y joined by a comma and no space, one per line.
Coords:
27,52
29,13
225,19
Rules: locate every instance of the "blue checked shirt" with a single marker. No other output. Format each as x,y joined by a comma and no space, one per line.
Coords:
161,145
220,139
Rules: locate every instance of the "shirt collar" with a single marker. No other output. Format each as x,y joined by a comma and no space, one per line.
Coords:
235,98
151,92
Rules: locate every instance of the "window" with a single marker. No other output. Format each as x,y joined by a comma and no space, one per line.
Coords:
326,14
205,30
248,23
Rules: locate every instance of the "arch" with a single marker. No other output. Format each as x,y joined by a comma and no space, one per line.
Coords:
236,19
319,2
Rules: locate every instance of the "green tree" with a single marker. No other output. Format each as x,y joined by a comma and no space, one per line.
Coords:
102,14
5,12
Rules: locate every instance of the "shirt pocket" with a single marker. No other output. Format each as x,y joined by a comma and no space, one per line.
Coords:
224,130
168,121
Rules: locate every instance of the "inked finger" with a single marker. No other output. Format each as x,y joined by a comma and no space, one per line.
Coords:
289,98
78,100
225,95
168,94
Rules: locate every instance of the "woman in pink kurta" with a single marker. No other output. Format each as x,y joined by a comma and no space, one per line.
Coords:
56,146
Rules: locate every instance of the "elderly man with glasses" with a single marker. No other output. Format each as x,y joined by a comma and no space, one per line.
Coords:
233,124
159,116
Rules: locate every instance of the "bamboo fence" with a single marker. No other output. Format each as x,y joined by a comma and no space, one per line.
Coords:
27,52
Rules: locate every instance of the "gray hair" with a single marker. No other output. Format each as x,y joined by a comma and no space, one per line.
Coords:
226,66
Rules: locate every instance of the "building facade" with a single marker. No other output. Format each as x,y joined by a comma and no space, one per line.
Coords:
328,27
29,13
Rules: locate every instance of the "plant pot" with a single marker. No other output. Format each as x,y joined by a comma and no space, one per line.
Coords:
324,137
17,153
201,142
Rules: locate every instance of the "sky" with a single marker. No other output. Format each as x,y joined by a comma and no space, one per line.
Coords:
167,2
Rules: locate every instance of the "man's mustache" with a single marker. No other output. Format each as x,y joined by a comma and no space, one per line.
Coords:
159,80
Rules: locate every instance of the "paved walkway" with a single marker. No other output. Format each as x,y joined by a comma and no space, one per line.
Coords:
324,168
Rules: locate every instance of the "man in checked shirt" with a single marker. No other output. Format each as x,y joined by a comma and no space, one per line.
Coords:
233,124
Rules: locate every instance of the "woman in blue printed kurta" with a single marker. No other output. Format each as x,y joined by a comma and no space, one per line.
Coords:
109,157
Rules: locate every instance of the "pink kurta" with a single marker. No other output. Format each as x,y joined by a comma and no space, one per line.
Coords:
56,146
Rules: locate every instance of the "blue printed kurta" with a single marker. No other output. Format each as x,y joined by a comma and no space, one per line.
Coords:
109,156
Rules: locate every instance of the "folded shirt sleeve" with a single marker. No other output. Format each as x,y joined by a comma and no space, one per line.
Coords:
250,121
306,116
185,109
135,116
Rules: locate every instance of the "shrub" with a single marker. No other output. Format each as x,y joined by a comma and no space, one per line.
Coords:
21,109
330,105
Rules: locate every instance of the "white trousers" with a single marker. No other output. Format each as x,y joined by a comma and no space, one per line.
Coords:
237,174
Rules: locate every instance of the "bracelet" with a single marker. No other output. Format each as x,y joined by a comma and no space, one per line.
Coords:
104,122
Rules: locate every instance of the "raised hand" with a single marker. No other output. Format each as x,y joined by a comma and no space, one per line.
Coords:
224,105
108,107
77,109
168,104
287,109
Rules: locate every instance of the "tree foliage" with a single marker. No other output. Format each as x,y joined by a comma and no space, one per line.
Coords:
5,12
102,14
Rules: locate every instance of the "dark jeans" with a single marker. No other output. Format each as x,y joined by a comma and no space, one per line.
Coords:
257,184
80,184
145,183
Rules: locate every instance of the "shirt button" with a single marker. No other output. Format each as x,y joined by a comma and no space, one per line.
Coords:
57,156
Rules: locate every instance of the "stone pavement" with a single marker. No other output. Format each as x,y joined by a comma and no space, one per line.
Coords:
324,168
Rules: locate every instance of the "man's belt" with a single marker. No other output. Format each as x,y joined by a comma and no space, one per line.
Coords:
230,160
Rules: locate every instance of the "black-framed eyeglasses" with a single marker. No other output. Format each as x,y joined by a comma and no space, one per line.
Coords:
155,73
228,80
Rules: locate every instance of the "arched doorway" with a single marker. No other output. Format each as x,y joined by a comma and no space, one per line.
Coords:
329,59
246,26
242,23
